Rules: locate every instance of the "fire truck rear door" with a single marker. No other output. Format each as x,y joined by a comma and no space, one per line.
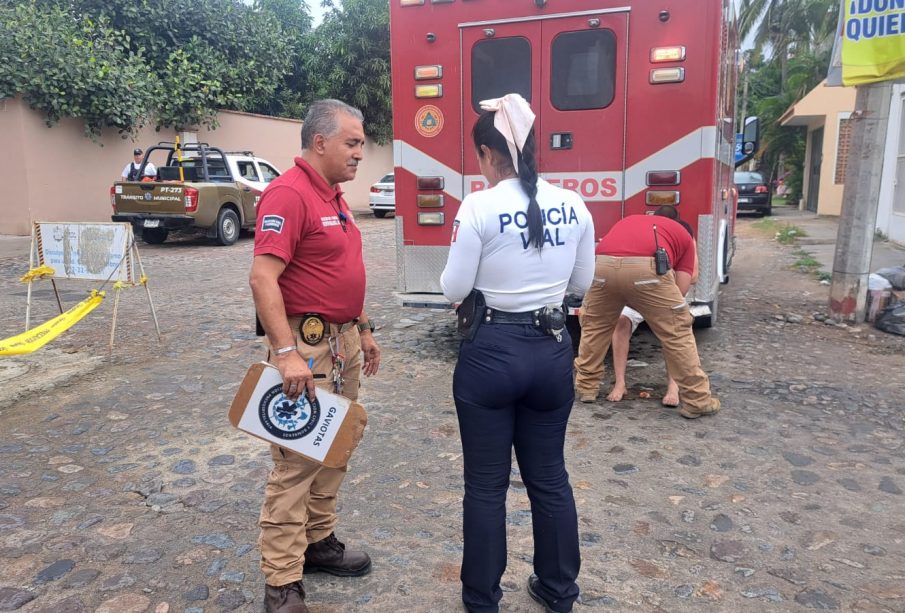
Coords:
498,58
582,108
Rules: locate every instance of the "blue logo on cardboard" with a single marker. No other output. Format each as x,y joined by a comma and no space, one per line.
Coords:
272,223
285,419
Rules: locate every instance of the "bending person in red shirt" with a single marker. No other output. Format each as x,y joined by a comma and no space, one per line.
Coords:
625,275
629,321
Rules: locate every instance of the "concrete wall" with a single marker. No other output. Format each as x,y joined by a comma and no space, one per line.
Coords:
57,174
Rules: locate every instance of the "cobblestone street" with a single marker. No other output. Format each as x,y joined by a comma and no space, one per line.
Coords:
123,488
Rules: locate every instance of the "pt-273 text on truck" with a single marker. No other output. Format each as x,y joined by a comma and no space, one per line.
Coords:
635,104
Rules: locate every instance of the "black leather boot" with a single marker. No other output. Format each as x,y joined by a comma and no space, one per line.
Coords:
285,598
533,584
331,556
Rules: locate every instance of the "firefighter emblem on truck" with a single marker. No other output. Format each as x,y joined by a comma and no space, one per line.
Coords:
429,121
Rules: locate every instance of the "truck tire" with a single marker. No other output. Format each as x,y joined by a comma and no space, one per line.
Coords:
380,214
154,236
227,227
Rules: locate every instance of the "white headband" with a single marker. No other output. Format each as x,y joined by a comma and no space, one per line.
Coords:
513,118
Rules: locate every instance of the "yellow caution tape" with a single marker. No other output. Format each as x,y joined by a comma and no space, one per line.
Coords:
34,339
37,273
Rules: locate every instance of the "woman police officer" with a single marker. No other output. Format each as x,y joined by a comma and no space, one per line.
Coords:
522,244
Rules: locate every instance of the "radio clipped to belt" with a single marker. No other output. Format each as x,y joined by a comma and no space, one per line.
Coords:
661,258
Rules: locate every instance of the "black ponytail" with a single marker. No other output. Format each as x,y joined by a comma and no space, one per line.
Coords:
527,176
484,133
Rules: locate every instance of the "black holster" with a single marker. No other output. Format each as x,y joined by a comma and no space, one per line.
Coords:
553,320
469,315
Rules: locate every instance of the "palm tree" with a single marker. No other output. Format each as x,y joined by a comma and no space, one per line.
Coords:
787,28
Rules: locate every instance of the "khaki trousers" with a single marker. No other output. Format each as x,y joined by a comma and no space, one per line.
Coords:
633,282
300,497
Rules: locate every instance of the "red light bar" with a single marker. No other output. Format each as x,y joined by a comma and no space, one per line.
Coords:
664,177
430,182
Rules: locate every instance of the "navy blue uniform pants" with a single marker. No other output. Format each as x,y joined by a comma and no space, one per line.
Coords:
513,388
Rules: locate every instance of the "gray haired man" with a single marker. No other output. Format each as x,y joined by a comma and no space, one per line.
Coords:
308,274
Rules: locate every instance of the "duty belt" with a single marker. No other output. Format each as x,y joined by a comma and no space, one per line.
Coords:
531,318
551,319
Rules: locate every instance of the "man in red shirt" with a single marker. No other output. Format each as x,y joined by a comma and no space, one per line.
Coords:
308,282
625,275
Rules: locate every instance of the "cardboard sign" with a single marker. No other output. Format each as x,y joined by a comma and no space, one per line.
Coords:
326,432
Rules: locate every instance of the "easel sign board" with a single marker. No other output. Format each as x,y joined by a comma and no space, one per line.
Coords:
90,251
326,432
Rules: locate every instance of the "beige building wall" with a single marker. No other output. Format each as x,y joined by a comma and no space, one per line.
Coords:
58,174
823,107
14,198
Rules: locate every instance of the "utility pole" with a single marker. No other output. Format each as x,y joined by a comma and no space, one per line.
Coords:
860,197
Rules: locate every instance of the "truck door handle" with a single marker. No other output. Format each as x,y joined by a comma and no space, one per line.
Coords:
561,140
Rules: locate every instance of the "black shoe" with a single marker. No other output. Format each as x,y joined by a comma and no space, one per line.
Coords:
533,584
285,598
330,556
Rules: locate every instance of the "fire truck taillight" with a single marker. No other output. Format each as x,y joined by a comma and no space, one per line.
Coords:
430,201
667,75
430,219
422,73
112,197
659,198
430,182
664,177
428,91
191,199
667,54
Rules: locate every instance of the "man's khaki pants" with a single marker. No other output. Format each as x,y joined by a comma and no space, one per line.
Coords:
300,497
633,282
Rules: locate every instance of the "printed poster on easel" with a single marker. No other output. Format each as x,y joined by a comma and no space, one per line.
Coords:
97,251
92,251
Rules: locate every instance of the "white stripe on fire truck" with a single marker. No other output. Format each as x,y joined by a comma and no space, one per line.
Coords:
697,145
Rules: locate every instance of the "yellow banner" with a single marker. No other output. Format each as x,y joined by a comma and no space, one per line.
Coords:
34,339
873,41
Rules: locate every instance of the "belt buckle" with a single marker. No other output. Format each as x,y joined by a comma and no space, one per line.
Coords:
312,329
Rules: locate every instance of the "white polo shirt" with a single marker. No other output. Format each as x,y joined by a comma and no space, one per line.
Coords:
490,250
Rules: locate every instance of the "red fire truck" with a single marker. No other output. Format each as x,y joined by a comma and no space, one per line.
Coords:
635,109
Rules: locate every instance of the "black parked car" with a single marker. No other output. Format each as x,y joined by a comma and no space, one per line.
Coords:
753,193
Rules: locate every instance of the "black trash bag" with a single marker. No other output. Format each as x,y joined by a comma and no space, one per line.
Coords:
892,319
895,275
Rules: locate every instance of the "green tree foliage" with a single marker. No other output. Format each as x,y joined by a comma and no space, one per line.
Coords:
175,63
209,54
121,63
350,54
294,19
66,66
792,45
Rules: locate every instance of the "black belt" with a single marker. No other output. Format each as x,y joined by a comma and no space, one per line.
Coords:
531,318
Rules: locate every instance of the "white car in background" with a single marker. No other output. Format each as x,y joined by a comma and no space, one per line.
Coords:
382,198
